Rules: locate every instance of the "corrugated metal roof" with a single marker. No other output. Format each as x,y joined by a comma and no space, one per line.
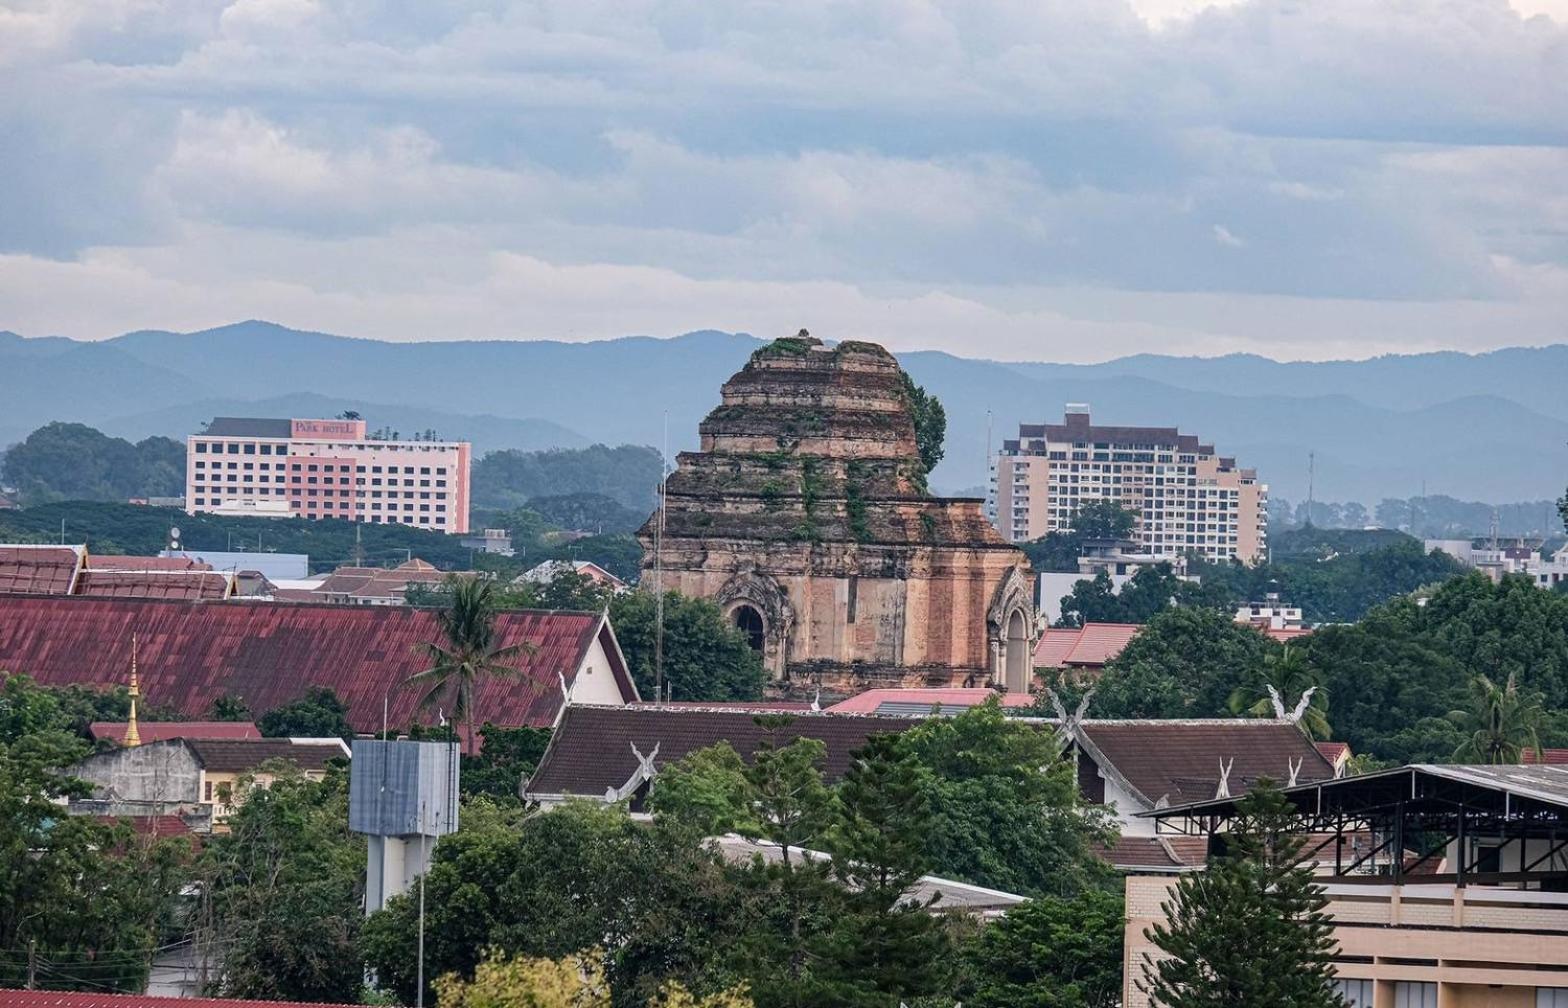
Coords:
192,653
257,427
1543,782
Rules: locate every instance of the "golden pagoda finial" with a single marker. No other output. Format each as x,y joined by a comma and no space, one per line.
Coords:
133,737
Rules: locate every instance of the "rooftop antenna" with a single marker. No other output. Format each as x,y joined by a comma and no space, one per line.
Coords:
658,564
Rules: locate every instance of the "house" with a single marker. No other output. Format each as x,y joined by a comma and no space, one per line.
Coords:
1462,898
551,569
166,777
193,652
376,586
1129,766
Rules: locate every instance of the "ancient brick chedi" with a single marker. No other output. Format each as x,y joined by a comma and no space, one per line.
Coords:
806,518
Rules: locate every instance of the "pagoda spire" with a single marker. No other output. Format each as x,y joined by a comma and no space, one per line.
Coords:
133,736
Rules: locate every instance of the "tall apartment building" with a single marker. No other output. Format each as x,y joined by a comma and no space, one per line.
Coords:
1188,499
325,469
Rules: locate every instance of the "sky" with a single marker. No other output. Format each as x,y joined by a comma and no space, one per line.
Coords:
1015,179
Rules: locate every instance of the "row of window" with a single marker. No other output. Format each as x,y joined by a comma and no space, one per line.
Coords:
327,467
440,509
312,480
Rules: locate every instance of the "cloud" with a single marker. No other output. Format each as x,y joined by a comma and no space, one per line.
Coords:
988,165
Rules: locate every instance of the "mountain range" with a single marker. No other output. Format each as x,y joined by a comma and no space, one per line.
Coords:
1486,426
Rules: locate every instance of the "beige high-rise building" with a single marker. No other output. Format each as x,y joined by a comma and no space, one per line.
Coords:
1188,499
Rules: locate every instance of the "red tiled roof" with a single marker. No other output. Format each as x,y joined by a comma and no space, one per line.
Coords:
64,999
1180,760
159,826
1550,757
157,731
1333,751
1091,645
165,584
106,562
1283,634
955,697
192,653
41,570
755,706
1172,853
591,749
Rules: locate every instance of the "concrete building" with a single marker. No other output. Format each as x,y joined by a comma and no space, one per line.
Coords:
325,469
805,517
1459,901
1188,498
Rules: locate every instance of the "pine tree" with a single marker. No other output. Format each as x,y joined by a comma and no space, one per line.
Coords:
1252,930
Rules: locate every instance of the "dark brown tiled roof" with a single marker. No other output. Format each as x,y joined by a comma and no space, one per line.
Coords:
39,570
154,584
192,653
1173,853
239,755
591,748
1180,760
157,731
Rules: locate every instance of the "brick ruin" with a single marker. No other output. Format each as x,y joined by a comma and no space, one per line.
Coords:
806,518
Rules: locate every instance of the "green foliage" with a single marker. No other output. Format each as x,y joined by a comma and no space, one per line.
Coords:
285,888
930,422
506,757
1049,953
628,474
1253,929
619,554
95,897
589,512
1291,674
1150,591
137,529
230,708
1186,662
1094,519
705,658
71,461
1503,723
467,653
320,713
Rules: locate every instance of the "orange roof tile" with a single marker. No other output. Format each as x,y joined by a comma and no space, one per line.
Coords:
1089,646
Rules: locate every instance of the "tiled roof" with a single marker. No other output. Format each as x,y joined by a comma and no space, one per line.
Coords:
918,701
591,749
1549,757
1180,760
39,570
1171,853
1333,751
239,755
258,427
155,584
63,999
109,562
159,826
1283,634
755,706
192,653
157,731
1091,645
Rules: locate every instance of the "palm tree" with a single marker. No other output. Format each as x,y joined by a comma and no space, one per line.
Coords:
1503,724
1291,675
467,653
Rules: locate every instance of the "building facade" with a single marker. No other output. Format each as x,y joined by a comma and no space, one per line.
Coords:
325,469
1188,498
805,517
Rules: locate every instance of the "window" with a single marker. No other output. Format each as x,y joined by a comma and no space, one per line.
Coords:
207,792
1415,994
250,449
234,448
266,449
1551,997
1357,993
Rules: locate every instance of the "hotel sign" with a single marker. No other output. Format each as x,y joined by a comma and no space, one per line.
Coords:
352,430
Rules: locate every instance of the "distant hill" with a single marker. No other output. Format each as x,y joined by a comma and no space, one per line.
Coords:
1479,427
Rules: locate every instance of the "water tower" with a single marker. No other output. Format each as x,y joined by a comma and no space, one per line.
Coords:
403,797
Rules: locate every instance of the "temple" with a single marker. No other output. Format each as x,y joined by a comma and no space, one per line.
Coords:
805,516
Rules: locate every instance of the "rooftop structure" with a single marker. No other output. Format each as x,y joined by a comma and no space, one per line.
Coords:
1459,899
551,569
192,653
917,702
158,731
71,570
1188,498
805,517
326,469
1088,647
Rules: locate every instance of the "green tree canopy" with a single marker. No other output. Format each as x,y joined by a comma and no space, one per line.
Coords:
1185,663
628,474
930,422
466,654
320,713
72,461
705,658
1049,953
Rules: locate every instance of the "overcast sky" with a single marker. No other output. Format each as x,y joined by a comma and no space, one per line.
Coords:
1029,179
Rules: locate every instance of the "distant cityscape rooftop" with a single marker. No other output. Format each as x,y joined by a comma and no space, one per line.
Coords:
249,427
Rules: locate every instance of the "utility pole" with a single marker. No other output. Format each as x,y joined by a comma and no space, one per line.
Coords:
658,564
32,964
1312,466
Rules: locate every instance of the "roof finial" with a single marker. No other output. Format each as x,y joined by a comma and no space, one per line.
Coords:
133,736
1294,766
1223,791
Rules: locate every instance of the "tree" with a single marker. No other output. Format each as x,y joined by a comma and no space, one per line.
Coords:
320,713
349,414
71,461
507,756
1290,674
577,981
930,422
1185,663
629,474
231,708
589,512
1503,724
1252,929
1050,952
705,657
467,654
285,887
1094,519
